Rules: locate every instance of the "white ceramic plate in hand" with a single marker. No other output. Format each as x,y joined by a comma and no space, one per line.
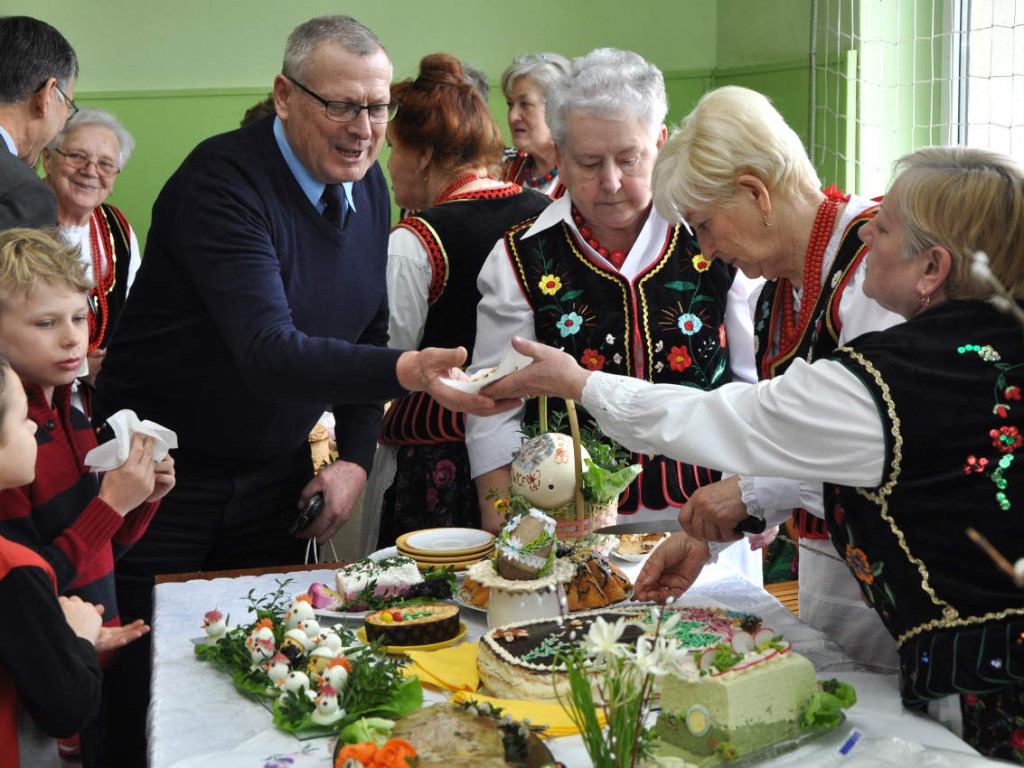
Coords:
511,361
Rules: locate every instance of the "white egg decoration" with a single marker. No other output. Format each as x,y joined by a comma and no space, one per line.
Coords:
544,472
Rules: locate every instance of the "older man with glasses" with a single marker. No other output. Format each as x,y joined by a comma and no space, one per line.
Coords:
38,70
261,300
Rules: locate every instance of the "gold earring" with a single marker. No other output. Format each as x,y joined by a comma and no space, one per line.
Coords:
925,300
767,219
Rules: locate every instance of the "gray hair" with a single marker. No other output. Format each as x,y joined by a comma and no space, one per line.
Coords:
731,132
545,69
31,52
343,30
608,82
478,79
102,118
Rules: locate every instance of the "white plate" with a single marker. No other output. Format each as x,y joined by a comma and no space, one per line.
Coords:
449,539
466,604
380,554
629,558
511,361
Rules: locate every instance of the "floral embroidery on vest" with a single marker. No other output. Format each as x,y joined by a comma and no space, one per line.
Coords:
1005,439
671,319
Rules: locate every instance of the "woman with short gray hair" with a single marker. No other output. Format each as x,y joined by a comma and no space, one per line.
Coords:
603,276
532,160
82,163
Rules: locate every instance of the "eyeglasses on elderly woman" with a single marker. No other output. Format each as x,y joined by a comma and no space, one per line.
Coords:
80,161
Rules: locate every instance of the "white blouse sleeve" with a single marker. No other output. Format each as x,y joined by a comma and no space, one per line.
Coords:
502,313
134,260
816,423
409,274
739,327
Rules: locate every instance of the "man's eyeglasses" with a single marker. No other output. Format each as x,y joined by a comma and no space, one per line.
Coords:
72,107
346,111
78,161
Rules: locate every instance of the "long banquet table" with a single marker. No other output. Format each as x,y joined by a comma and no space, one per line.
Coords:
198,720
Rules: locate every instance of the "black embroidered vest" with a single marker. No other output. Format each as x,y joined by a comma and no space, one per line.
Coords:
113,230
514,167
667,326
820,337
948,385
457,234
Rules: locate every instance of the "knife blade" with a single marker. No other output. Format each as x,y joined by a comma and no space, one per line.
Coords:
749,524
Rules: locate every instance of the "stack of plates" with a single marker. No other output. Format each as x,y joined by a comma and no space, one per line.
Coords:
456,548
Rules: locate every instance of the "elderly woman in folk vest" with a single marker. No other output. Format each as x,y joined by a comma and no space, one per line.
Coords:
742,179
82,163
601,274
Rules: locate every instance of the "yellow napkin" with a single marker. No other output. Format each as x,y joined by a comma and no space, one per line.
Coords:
548,714
451,669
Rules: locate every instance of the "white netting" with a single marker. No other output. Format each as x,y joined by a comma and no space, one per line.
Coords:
890,76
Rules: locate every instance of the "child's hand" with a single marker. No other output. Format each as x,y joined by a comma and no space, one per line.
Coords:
85,619
111,638
134,481
163,479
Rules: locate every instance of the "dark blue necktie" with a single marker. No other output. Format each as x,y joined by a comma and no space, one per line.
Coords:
334,205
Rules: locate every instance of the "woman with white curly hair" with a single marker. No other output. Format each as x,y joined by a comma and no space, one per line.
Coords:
602,275
82,163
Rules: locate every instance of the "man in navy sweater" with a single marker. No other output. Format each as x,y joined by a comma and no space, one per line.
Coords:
260,301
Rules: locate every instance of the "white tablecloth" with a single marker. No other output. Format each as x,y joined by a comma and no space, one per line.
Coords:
198,719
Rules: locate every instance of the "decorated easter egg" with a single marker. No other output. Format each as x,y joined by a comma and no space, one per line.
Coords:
525,546
543,470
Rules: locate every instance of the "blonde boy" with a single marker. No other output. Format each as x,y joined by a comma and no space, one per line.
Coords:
78,524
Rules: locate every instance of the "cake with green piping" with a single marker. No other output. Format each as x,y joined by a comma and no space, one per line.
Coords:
519,660
739,697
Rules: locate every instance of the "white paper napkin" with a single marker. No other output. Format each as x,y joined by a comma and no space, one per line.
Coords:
511,361
113,453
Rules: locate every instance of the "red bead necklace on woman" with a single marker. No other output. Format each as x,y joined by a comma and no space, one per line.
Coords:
449,191
824,222
103,275
616,257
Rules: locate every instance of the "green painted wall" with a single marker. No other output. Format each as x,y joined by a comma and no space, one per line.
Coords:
177,72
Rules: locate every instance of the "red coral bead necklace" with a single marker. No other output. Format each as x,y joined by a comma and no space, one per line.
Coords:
616,257
456,185
824,222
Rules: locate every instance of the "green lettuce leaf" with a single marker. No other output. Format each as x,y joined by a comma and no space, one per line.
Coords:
825,709
604,485
375,729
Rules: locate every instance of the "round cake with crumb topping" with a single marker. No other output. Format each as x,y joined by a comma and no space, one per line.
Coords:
413,624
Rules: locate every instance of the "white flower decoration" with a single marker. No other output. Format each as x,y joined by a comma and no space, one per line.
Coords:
602,640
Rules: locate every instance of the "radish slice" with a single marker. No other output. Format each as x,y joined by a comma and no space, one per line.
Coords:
743,642
706,660
763,635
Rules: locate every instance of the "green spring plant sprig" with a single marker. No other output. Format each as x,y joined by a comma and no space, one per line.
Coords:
606,673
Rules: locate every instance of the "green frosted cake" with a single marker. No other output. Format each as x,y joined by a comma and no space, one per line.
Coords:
736,698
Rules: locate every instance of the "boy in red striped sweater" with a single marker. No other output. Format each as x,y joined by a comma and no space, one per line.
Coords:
58,635
77,522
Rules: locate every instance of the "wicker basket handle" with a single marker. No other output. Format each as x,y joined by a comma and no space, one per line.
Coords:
577,453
